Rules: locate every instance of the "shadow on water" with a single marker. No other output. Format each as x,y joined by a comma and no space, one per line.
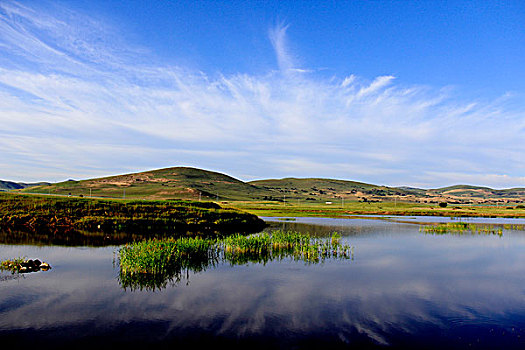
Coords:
344,227
80,238
377,224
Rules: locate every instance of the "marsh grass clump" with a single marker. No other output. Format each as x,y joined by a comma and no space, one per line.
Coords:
12,265
263,247
154,263
23,265
514,227
461,228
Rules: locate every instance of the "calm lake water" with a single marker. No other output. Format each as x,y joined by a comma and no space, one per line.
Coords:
403,289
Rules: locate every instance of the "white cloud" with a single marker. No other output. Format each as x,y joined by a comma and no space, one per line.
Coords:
495,180
378,84
348,80
278,39
77,98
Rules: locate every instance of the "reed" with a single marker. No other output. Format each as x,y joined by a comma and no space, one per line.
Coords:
154,263
461,228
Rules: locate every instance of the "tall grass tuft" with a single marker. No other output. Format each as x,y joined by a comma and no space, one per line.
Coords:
154,263
461,228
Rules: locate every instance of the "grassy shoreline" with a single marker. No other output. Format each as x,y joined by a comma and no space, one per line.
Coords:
62,214
341,210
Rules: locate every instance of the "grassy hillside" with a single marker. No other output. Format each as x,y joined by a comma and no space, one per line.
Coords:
478,191
169,183
480,194
195,184
319,189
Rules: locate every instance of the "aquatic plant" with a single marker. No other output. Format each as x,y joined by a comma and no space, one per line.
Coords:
158,255
461,228
23,265
153,263
514,227
12,265
279,245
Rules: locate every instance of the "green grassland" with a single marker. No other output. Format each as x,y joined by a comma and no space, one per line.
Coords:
52,213
344,208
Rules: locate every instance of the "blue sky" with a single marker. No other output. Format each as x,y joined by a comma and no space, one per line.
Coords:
427,93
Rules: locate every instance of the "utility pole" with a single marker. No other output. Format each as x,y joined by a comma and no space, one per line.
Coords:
199,196
284,199
90,193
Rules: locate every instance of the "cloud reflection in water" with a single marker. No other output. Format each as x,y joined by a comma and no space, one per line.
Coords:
402,286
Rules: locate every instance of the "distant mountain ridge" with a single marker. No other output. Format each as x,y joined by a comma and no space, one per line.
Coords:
10,185
351,190
193,183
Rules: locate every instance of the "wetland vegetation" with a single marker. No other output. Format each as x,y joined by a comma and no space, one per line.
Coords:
12,265
62,214
23,265
152,264
464,228
342,209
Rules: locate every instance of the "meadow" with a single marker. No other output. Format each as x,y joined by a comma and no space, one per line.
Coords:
341,208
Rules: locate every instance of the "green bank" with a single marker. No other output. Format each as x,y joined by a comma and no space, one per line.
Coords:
345,209
38,213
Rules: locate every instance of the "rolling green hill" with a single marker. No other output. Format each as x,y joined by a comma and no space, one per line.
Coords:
169,183
195,184
314,188
479,192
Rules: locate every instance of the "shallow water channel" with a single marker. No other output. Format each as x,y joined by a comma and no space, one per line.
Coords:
402,288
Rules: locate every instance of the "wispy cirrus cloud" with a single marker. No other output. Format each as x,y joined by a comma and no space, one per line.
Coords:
77,101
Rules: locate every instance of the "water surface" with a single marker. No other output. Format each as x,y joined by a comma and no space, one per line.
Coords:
402,289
